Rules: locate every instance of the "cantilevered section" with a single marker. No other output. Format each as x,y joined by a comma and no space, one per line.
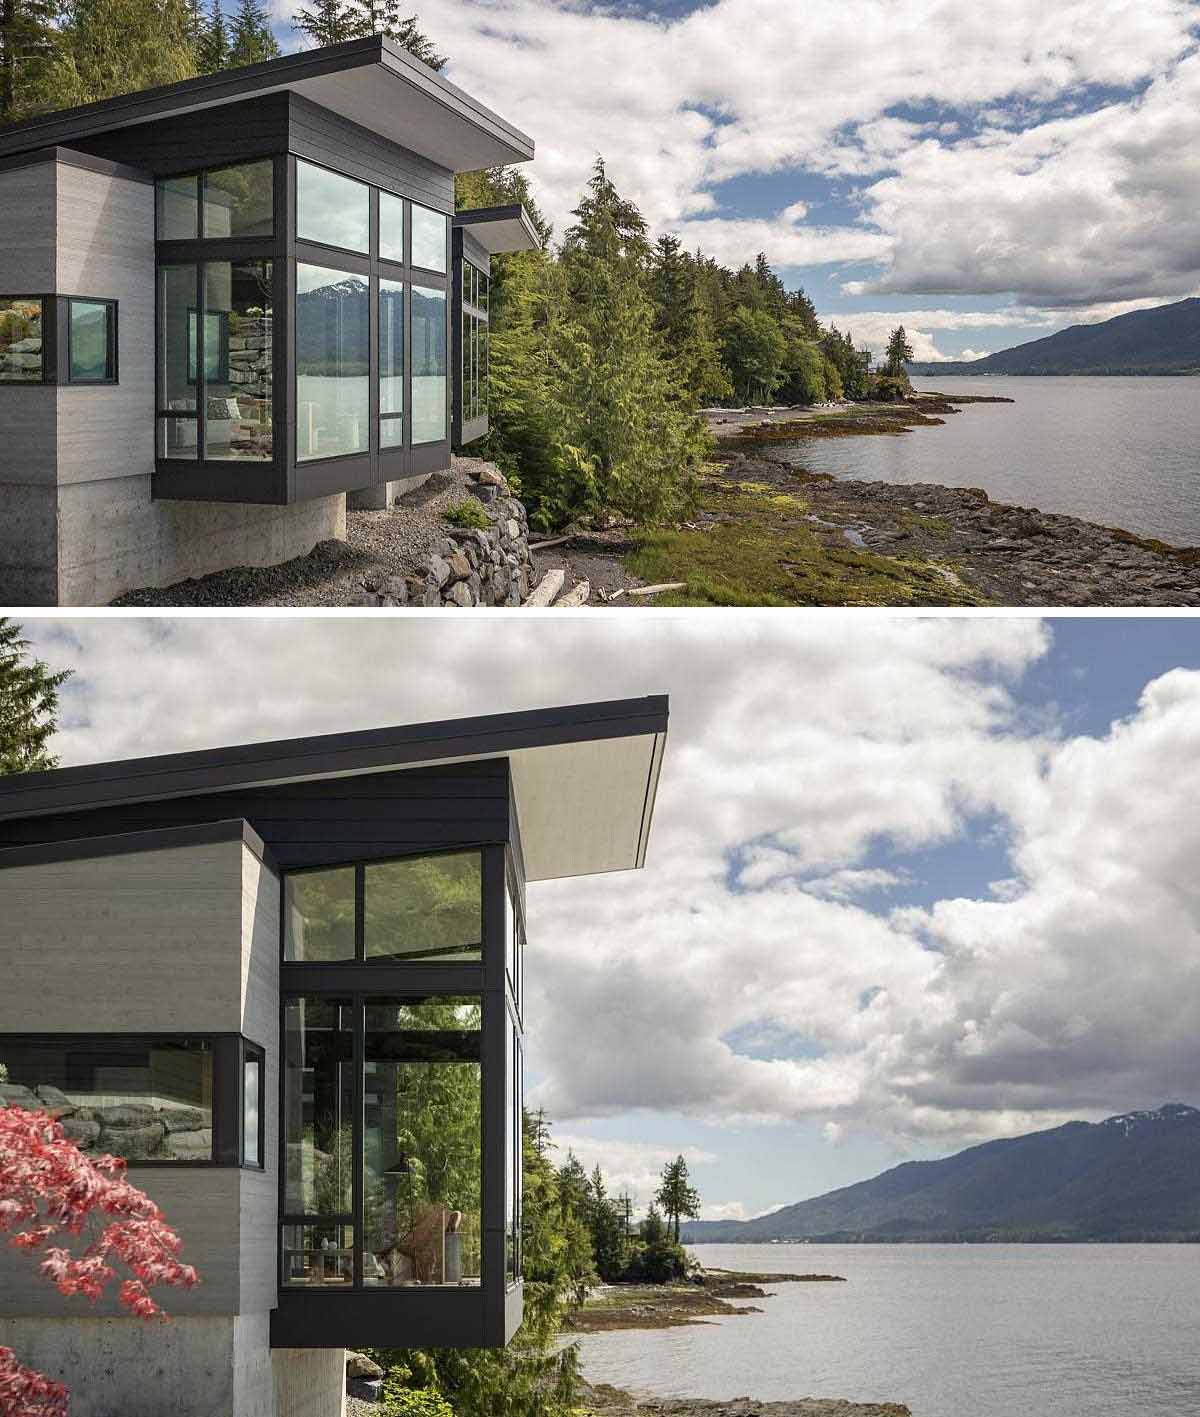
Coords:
584,777
500,230
371,82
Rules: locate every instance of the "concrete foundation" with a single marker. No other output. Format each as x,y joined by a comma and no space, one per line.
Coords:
189,1367
384,494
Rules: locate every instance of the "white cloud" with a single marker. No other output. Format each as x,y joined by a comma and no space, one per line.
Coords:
797,747
629,1167
863,92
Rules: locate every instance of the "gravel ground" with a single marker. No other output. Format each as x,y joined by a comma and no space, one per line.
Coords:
377,545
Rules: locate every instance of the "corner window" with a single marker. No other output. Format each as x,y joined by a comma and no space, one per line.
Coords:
429,365
332,209
429,231
144,1099
240,201
419,1137
319,915
333,362
177,208
21,354
91,341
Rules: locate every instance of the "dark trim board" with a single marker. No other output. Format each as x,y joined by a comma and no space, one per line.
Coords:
87,788
444,1318
71,157
125,843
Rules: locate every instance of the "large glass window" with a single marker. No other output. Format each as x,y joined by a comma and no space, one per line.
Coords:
91,341
318,1104
144,1099
240,201
21,340
237,357
422,1141
391,363
513,1166
332,209
429,238
332,362
425,908
428,365
319,915
391,227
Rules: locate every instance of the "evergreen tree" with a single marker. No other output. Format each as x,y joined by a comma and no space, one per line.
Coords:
214,43
333,21
112,47
625,419
676,1196
29,45
251,41
685,325
754,350
28,704
898,354
328,22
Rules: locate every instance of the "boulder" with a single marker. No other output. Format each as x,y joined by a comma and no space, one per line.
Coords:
182,1119
491,477
460,595
133,1143
358,1365
460,566
190,1146
12,1094
83,1132
57,1103
126,1114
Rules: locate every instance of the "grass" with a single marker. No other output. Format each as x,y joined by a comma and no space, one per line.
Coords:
762,552
468,513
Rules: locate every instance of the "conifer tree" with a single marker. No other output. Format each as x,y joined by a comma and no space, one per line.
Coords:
676,1194
29,43
624,419
112,47
899,352
214,43
251,41
328,22
332,21
28,704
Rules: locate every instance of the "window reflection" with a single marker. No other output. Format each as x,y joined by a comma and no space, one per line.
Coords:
332,362
391,363
332,209
318,1107
21,340
237,353
319,915
428,365
391,227
425,908
421,1142
429,238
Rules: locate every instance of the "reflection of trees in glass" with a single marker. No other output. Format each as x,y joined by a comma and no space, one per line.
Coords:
428,905
321,915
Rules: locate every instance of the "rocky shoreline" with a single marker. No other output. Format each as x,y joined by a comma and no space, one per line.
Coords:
611,1307
602,1400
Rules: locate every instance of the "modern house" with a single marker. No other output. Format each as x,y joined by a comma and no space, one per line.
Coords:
286,981
227,306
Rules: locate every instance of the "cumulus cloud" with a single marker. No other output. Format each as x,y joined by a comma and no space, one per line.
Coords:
988,151
754,971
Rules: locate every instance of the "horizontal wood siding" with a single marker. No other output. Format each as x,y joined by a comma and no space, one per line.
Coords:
323,822
335,142
194,140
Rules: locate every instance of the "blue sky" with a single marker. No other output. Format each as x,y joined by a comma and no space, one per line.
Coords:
913,882
985,176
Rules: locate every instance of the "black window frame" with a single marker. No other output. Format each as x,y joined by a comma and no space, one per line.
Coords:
253,1052
48,373
361,957
112,343
227,1051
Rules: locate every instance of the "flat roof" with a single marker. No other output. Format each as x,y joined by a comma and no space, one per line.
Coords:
373,82
500,230
585,776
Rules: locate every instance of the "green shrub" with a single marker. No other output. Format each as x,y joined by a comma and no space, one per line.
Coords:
469,513
401,1401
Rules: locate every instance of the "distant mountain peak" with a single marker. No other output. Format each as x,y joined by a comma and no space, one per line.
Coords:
1168,1112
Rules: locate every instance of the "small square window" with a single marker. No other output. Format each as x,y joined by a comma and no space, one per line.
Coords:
21,350
91,341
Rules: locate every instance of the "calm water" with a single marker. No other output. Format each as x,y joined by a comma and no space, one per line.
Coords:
1120,451
952,1330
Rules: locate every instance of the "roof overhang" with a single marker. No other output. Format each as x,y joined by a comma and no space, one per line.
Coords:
584,777
371,82
500,230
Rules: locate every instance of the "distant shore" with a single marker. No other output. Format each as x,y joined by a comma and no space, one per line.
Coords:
638,1306
605,1401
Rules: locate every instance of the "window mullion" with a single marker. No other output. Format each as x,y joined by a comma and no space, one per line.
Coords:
357,1134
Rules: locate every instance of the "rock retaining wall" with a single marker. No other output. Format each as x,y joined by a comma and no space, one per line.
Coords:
472,565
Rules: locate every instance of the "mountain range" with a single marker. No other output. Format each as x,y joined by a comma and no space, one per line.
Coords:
1164,340
1133,1177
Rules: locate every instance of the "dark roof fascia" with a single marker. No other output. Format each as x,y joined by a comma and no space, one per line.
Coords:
126,843
332,755
212,90
71,157
515,212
